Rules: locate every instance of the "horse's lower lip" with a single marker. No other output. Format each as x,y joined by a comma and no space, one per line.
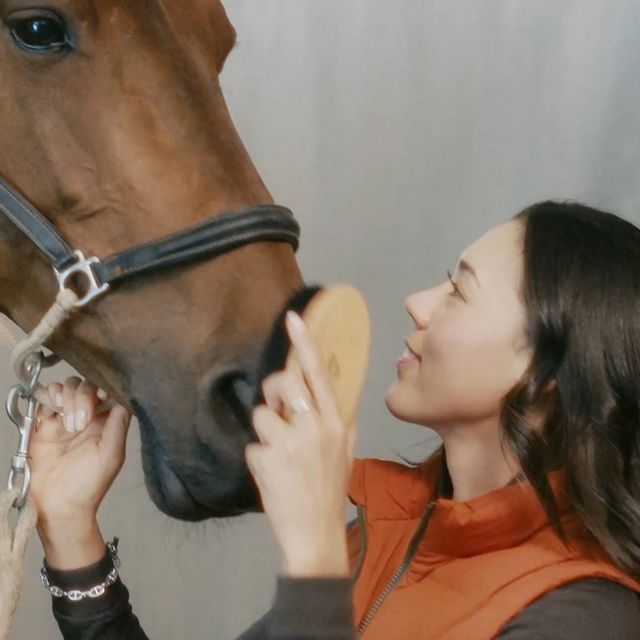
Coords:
191,487
177,500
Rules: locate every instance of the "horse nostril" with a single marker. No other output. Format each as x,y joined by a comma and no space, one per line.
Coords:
242,389
233,392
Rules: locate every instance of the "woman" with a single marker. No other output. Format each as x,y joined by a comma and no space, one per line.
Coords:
526,524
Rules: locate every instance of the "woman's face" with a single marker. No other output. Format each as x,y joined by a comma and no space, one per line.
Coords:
469,345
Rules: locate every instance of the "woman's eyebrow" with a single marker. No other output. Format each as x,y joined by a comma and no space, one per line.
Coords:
463,265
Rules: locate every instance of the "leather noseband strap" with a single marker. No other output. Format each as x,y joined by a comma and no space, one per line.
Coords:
211,238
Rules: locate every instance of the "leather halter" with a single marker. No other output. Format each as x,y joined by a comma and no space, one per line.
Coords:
212,238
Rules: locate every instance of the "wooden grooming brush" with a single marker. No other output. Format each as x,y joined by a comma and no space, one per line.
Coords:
338,319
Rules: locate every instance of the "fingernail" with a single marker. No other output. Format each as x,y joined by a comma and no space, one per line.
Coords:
68,421
80,419
59,399
295,321
102,394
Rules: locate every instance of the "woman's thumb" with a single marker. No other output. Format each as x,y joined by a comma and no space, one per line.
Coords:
114,433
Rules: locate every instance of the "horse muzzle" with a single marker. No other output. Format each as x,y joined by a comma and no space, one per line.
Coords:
205,475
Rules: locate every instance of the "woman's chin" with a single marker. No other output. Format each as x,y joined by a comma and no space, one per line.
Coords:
394,402
404,404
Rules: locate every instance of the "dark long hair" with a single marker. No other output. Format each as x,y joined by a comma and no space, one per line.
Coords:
581,290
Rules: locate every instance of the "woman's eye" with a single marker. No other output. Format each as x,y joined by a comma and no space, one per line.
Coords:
456,291
40,33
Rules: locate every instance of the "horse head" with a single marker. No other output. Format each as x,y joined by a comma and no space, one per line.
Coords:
113,124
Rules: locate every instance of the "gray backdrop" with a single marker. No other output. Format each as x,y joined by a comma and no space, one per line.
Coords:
398,131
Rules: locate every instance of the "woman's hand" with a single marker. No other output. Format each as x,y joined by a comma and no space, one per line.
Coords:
303,461
73,464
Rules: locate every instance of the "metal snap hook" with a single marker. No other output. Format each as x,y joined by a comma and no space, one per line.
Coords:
12,405
34,367
25,424
20,460
21,498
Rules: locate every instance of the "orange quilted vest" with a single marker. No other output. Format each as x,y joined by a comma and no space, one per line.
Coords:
428,568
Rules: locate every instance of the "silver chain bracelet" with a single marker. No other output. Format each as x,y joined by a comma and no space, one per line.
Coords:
97,590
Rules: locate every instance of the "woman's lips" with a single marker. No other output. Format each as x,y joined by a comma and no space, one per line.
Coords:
409,356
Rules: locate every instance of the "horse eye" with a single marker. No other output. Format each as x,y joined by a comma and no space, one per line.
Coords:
40,33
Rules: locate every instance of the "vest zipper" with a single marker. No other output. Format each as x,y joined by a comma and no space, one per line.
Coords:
362,530
400,571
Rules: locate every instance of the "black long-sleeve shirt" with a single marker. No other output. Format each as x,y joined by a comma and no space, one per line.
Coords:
321,609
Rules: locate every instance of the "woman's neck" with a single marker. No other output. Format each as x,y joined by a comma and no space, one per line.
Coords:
477,465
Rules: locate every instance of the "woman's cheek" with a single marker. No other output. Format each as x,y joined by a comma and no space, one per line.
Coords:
443,360
441,344
455,365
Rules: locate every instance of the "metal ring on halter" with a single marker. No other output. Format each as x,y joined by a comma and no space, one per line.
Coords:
82,267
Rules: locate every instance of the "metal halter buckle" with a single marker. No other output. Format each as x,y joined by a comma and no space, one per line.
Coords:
83,267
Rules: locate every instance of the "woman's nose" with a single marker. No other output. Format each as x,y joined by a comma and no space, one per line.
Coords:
422,304
417,309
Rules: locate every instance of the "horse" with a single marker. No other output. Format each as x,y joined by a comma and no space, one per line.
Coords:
113,124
